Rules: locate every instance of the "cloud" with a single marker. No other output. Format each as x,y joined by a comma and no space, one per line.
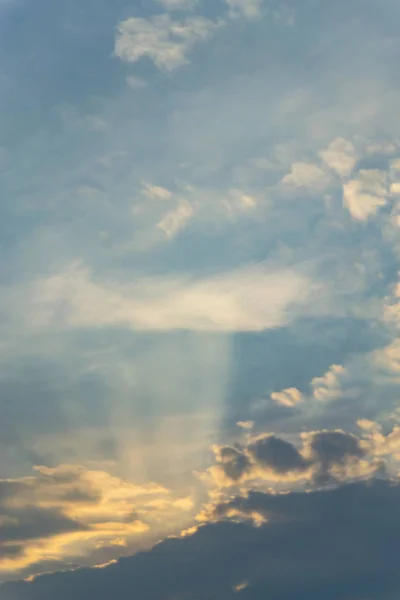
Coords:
277,454
178,4
234,463
247,8
340,156
68,512
165,41
252,298
365,193
328,387
245,424
156,192
318,458
176,219
331,452
135,83
354,527
306,175
289,397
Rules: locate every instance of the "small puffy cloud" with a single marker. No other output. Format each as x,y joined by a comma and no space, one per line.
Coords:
249,9
165,41
306,175
289,397
245,424
340,156
176,219
329,386
365,193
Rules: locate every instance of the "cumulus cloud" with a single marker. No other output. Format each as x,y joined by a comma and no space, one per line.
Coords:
289,397
233,461
329,386
365,193
340,156
306,175
276,454
164,41
252,298
314,458
324,389
289,556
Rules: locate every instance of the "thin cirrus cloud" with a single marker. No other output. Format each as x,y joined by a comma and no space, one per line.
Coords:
178,4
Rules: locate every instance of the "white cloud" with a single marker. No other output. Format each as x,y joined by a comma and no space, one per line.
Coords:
395,188
245,424
176,219
328,387
247,8
248,299
340,156
178,4
306,175
164,41
289,397
366,193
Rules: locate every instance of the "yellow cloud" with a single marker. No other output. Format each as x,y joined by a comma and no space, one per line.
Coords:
72,515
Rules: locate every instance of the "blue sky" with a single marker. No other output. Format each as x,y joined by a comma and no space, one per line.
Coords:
200,304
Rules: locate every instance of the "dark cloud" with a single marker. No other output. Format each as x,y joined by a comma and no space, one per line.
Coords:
36,523
321,450
337,544
233,462
334,448
277,454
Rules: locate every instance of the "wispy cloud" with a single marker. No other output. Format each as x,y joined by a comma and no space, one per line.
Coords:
248,299
178,4
248,8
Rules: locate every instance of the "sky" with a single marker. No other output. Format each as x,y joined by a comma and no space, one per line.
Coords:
199,299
